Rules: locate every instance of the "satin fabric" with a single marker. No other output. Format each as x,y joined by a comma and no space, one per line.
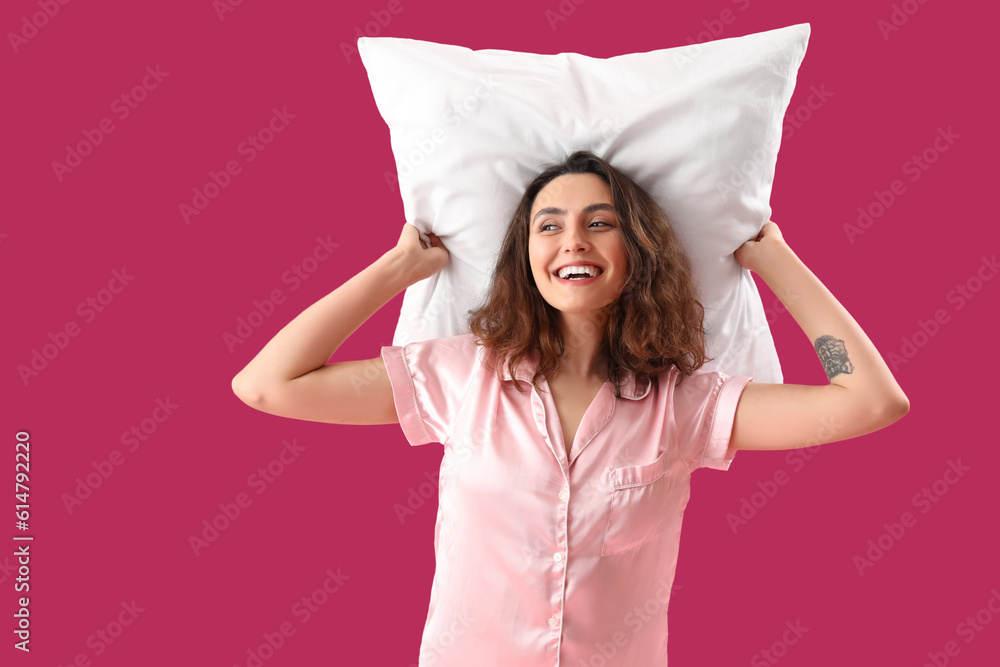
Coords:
544,560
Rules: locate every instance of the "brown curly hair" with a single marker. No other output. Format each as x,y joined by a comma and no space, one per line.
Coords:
657,320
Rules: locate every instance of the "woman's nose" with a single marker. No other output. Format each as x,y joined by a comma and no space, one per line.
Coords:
575,238
576,246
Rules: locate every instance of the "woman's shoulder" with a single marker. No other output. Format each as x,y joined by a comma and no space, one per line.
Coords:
459,351
697,383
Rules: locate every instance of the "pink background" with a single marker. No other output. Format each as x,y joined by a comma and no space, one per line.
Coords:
333,506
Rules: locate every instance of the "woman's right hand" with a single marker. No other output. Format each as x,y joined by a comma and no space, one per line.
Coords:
421,261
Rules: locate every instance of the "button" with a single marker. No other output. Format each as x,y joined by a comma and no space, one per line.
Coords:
557,558
554,621
563,494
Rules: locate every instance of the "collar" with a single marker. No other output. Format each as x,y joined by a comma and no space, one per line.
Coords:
526,370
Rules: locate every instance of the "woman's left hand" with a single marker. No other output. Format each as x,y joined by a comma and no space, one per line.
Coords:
752,254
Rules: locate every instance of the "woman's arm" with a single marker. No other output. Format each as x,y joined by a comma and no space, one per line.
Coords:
297,355
863,396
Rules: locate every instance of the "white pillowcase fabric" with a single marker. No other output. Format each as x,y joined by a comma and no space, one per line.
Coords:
697,126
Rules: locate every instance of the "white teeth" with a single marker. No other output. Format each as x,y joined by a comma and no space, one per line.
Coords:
589,270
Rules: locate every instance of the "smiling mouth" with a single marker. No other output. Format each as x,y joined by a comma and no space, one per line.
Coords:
582,275
579,280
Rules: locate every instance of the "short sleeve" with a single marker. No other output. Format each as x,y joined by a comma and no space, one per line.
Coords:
704,412
429,381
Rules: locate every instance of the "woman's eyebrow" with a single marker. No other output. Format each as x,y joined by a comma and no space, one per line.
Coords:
552,210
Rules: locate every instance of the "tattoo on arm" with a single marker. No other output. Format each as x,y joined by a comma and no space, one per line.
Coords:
833,356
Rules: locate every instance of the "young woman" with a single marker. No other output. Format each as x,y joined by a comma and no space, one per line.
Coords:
572,415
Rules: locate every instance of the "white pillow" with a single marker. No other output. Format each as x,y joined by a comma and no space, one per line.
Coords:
697,126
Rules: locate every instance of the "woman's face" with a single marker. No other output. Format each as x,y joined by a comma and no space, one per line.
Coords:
573,222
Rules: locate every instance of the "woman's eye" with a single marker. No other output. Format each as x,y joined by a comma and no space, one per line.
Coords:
550,224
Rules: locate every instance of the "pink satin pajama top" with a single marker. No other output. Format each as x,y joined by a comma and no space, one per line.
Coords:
544,560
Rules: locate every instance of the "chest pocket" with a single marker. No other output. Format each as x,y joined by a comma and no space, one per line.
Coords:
640,505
